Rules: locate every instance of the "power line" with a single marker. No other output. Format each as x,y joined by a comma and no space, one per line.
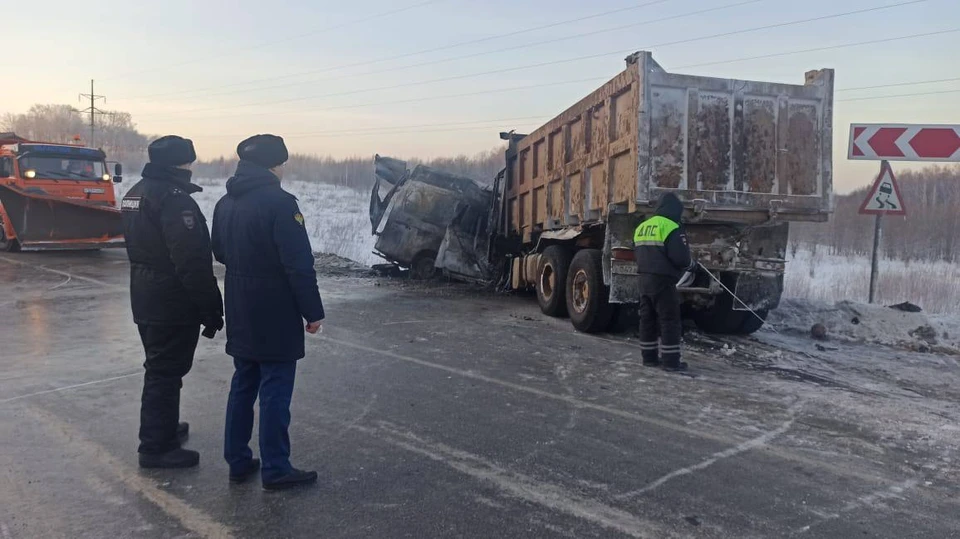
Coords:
92,109
416,53
507,70
388,129
429,98
555,62
898,84
820,49
443,79
417,128
407,132
427,128
918,94
485,53
284,40
592,79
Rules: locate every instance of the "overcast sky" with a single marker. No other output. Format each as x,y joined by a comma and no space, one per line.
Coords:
217,71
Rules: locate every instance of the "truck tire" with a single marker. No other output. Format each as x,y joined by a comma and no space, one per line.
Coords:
751,324
720,318
552,280
10,245
587,297
423,267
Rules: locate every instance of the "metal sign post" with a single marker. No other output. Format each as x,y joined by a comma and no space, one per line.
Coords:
875,260
883,198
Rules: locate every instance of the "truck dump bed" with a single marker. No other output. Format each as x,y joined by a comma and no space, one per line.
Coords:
733,148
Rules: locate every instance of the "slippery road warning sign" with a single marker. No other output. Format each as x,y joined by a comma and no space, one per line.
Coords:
884,197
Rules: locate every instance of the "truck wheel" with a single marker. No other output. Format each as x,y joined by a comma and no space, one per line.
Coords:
422,268
751,324
720,318
10,245
552,280
587,297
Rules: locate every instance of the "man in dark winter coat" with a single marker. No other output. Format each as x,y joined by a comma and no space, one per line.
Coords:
662,254
271,292
172,292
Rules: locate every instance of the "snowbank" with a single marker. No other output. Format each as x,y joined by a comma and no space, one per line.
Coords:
874,324
815,274
337,218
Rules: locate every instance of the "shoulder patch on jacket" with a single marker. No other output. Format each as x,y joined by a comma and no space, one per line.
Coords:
130,204
189,219
298,217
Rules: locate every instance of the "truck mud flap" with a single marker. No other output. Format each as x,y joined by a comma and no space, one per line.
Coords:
41,221
760,291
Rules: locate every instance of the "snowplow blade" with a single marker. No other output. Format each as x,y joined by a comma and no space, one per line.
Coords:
45,222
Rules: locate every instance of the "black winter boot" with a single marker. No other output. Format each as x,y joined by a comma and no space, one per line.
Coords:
242,476
183,432
680,366
178,458
295,478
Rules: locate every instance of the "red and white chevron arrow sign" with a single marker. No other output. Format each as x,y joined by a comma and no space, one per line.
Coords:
904,142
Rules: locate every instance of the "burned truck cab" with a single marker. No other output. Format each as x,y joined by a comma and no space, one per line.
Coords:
428,221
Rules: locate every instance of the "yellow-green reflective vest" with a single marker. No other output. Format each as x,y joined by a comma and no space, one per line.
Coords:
654,231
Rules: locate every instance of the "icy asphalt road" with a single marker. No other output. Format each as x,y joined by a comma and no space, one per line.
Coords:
441,412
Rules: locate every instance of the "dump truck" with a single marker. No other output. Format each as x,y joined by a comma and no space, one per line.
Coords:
429,221
56,196
747,158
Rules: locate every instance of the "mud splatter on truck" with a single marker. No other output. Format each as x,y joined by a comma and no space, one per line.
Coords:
745,157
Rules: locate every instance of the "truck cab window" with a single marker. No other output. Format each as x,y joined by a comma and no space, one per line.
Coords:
6,167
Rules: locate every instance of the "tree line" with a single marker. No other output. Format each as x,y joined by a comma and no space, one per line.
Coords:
118,136
357,172
114,132
929,231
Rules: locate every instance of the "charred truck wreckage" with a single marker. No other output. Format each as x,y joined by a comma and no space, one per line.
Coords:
745,157
431,221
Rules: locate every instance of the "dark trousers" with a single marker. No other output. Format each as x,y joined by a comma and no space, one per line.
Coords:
169,351
273,382
659,317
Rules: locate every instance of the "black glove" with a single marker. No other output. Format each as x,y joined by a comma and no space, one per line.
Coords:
212,326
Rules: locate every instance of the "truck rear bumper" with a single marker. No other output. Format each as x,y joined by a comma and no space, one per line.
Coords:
759,290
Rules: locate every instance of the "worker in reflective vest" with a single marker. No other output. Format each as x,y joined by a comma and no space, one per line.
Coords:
664,263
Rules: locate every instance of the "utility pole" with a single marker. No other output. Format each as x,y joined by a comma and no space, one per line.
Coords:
92,110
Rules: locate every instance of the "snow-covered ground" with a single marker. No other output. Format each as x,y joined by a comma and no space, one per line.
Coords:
816,275
874,324
338,223
336,217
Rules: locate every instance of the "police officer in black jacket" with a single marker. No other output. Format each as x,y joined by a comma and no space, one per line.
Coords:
172,292
663,258
271,297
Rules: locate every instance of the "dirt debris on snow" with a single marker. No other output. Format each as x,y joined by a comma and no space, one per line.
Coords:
331,264
873,324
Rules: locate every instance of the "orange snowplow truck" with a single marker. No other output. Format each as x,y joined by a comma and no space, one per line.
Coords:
56,196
